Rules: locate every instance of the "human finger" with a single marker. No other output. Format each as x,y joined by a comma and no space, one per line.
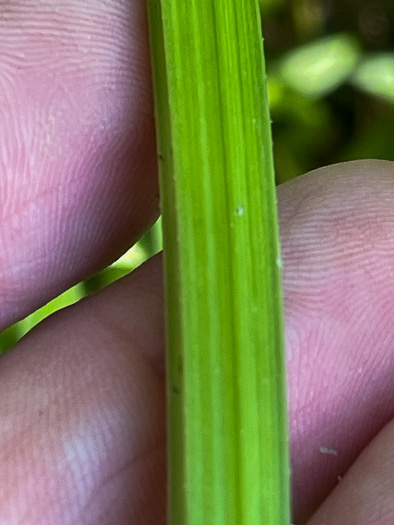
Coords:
337,267
78,181
82,438
366,493
337,228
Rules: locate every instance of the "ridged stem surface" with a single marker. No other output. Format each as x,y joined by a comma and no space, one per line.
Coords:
227,425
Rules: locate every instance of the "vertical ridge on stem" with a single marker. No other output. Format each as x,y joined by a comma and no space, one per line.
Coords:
227,425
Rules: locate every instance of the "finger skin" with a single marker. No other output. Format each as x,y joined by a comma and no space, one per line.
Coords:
95,370
337,229
83,417
78,178
365,495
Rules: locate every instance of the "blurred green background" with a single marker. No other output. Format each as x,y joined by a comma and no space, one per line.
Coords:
330,67
331,81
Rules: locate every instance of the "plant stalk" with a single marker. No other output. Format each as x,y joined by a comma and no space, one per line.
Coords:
227,417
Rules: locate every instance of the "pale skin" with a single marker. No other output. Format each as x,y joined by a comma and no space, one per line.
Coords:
82,409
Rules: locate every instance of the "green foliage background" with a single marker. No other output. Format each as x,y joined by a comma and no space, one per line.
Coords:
331,80
331,85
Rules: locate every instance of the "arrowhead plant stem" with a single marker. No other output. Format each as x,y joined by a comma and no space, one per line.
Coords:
227,417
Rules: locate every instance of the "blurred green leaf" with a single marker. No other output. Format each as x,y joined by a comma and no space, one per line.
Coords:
375,75
302,126
318,68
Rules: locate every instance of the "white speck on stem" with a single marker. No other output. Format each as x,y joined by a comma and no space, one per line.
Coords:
279,262
326,450
239,210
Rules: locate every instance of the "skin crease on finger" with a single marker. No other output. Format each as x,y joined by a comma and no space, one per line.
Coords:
78,180
83,432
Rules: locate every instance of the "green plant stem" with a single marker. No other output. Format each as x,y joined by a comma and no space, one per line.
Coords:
228,447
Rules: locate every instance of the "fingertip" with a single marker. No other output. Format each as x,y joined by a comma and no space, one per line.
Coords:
88,410
365,494
79,171
337,246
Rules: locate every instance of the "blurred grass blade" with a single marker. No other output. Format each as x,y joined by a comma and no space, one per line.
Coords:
319,67
228,450
375,75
